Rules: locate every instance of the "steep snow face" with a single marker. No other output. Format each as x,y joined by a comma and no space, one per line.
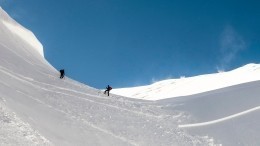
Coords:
38,108
23,33
192,85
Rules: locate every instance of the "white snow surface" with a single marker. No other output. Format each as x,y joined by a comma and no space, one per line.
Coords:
230,115
38,108
23,33
192,85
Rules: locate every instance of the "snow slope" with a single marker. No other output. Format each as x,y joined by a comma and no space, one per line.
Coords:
230,115
38,108
193,85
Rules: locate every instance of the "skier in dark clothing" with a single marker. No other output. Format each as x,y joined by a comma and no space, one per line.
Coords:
62,73
108,88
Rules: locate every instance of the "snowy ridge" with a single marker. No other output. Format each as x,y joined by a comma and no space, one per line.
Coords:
192,85
21,32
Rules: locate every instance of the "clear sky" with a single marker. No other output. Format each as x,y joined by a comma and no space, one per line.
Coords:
135,42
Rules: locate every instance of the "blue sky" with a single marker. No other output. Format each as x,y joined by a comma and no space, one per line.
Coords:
135,42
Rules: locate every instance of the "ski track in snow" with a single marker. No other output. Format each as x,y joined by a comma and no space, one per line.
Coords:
17,54
75,91
73,117
220,120
89,95
80,119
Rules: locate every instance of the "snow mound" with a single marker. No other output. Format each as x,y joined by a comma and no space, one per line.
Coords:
193,85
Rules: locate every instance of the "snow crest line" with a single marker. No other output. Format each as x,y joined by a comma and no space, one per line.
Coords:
219,120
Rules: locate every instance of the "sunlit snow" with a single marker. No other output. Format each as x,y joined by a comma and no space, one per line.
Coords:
24,34
39,108
193,85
